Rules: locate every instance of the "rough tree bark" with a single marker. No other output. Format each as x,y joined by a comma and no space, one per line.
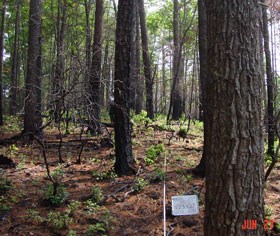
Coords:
32,108
15,62
146,61
125,163
95,70
177,96
59,65
139,93
234,142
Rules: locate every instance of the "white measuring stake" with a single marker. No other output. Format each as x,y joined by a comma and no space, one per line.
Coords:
164,198
185,205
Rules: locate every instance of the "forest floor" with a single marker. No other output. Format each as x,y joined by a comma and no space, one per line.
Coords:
98,202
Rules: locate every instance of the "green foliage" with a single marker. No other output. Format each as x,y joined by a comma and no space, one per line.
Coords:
73,206
35,216
189,178
140,184
58,220
104,175
277,227
268,210
96,194
5,184
91,207
158,175
96,228
56,193
4,204
267,159
57,198
141,118
72,233
12,124
105,117
58,173
153,152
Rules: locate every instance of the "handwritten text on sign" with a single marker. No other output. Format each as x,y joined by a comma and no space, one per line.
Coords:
185,205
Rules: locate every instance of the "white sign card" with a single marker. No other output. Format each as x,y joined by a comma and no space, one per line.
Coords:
184,205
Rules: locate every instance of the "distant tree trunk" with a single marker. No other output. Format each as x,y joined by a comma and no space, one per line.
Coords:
95,71
15,62
163,98
146,61
232,112
2,43
125,163
59,66
139,79
32,108
88,40
202,38
177,96
106,74
269,84
133,70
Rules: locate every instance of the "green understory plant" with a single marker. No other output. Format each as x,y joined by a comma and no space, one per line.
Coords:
140,184
153,152
56,193
96,194
56,198
58,220
97,228
104,175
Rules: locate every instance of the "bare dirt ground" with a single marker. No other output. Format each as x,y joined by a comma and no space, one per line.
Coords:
129,205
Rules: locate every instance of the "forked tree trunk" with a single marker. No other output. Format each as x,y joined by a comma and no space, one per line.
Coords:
234,141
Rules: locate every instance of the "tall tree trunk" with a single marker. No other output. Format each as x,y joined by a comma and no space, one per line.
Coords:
106,74
164,82
59,66
177,96
133,70
139,79
88,40
125,163
32,108
232,112
95,72
2,43
269,84
146,61
15,62
202,38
